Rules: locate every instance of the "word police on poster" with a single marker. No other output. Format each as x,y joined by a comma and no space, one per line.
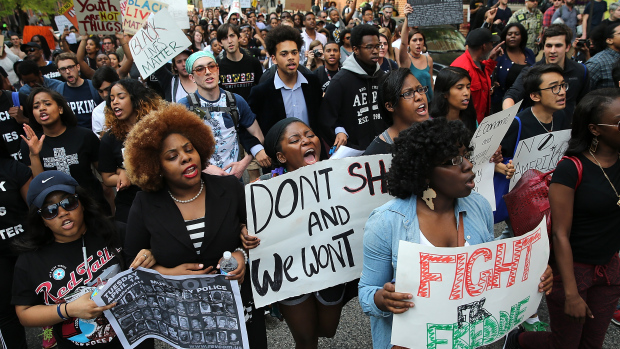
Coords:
542,152
136,13
98,16
466,297
156,43
485,142
425,12
197,311
311,224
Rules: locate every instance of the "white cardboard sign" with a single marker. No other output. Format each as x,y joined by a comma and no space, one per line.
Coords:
212,3
485,142
178,11
311,225
157,43
466,297
542,152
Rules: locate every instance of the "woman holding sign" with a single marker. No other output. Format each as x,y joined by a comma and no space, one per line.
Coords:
186,217
432,180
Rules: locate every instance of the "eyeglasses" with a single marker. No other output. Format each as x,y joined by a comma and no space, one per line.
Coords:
68,204
411,93
618,125
372,48
32,49
213,68
67,68
457,160
556,89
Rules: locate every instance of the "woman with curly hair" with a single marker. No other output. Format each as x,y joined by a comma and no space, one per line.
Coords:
187,218
128,102
432,180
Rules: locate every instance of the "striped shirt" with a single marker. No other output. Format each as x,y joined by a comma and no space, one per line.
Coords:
196,230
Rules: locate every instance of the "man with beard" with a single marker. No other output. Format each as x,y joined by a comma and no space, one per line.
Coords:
178,85
387,21
479,61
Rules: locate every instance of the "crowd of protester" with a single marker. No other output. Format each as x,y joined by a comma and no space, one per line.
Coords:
97,160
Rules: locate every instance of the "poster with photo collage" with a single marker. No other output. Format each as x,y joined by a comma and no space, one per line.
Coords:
197,311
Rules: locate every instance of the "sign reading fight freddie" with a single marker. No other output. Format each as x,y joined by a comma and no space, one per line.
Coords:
98,16
311,225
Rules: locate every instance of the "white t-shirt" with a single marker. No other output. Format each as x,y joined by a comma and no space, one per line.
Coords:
98,119
396,43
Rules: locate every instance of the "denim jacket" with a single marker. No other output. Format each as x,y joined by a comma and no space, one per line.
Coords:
397,220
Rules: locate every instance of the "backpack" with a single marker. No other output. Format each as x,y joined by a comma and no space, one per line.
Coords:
528,201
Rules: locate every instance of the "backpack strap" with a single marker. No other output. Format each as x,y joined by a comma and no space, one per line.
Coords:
175,88
585,71
518,137
15,97
193,100
231,103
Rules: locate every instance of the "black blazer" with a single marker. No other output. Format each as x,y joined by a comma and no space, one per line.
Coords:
156,223
267,103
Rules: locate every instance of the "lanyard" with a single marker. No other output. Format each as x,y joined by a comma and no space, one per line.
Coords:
327,72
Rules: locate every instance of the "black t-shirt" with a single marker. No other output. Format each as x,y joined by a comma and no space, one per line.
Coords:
111,157
9,128
56,274
13,208
82,102
388,65
240,77
378,146
530,127
325,76
50,71
594,235
73,153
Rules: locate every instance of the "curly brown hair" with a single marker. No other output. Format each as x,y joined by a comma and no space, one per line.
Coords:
143,100
143,144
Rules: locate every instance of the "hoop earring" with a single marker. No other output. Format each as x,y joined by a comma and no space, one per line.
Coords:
428,195
594,144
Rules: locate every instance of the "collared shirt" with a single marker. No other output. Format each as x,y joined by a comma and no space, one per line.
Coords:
600,67
397,220
547,17
294,101
568,16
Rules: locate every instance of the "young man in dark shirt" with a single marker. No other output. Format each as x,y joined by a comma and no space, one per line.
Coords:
35,53
331,52
238,72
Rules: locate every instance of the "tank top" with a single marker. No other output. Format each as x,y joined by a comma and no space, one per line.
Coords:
424,77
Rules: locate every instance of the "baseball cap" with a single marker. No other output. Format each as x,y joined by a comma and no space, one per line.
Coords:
46,183
480,36
24,47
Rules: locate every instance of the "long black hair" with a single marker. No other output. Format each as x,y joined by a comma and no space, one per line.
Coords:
47,53
389,92
589,111
97,224
522,30
446,78
67,117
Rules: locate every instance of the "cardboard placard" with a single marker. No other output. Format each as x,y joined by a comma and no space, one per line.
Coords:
137,12
435,12
98,16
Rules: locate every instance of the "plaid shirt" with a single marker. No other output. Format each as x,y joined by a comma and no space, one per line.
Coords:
600,67
547,17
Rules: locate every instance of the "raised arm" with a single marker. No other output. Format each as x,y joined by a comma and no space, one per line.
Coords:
403,55
124,69
85,69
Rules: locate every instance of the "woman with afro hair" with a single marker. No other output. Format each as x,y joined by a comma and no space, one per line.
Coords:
432,180
187,218
128,102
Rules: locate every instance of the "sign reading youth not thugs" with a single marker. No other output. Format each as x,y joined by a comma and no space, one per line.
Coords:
198,311
466,297
311,225
98,16
435,12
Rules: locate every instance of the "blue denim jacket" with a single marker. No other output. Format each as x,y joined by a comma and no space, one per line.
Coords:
397,220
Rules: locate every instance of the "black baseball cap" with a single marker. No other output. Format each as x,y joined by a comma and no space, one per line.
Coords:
48,182
25,47
480,36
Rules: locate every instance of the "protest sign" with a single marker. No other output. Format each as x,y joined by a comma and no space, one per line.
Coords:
235,7
299,5
425,12
62,22
245,3
178,11
66,5
488,289
98,16
1,44
311,224
212,3
71,16
136,13
157,43
190,311
542,152
45,31
485,142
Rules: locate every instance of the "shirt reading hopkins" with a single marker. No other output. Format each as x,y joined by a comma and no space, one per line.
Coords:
82,101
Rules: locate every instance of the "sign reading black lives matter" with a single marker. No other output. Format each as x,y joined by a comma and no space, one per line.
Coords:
311,225
198,311
435,12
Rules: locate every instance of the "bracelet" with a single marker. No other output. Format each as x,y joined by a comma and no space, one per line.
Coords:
245,255
60,314
66,312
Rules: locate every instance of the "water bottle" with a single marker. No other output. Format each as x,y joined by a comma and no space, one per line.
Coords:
228,263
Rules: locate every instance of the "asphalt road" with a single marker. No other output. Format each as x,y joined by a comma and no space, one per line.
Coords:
353,332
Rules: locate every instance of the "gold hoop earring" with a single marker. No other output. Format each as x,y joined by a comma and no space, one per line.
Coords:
428,195
594,144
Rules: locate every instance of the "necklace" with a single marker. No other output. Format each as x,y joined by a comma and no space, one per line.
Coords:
541,124
610,183
202,185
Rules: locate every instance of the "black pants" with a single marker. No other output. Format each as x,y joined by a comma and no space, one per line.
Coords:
12,333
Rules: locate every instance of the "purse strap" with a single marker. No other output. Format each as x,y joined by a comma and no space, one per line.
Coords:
460,232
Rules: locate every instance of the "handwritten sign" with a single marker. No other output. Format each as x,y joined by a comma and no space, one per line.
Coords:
299,5
311,225
212,3
178,11
98,17
245,3
485,142
157,43
542,152
466,297
190,311
136,13
425,12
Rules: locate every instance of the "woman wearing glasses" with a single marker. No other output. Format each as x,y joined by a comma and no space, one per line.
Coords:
67,235
410,55
127,103
432,180
53,141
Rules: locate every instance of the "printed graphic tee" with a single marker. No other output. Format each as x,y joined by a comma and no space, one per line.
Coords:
9,128
13,208
82,102
240,77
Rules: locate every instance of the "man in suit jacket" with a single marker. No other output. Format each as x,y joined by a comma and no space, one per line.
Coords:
290,93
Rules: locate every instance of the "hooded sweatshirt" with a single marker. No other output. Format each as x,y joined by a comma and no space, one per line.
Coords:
350,102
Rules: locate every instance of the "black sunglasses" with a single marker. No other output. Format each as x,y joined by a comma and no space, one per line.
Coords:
68,204
32,49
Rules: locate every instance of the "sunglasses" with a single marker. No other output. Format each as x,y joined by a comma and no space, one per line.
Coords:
213,68
32,49
68,204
